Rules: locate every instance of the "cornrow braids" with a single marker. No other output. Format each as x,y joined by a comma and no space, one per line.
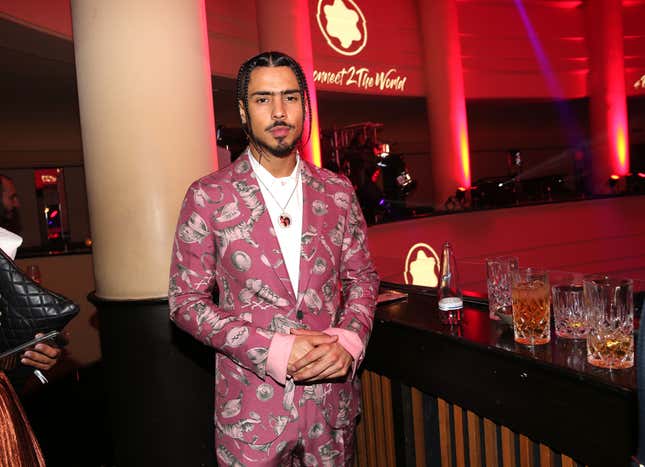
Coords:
270,59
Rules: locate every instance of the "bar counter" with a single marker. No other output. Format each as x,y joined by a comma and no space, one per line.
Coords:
546,402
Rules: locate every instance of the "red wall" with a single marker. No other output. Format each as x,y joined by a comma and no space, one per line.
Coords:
499,59
597,236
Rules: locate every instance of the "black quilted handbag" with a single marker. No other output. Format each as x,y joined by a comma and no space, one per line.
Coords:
26,308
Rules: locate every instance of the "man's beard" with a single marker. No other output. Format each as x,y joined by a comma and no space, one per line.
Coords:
281,150
10,220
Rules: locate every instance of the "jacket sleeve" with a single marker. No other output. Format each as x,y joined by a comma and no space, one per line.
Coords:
192,280
359,279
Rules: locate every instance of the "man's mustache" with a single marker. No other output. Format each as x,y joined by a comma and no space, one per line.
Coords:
278,124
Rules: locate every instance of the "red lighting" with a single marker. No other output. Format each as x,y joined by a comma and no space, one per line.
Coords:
573,38
567,5
316,158
464,151
621,150
53,214
618,139
616,104
461,188
46,177
641,174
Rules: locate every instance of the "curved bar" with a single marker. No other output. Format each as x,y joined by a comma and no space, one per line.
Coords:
590,236
548,393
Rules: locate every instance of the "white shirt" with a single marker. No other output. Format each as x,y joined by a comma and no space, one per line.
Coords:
9,242
278,190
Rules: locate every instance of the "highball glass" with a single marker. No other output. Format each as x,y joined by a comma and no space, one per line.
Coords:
531,306
610,308
498,282
568,307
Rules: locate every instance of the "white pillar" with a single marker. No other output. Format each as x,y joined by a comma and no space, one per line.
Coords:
148,130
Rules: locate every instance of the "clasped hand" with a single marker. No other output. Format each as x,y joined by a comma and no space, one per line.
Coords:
316,356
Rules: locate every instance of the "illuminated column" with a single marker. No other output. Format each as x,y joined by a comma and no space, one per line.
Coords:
148,130
608,112
450,157
146,109
283,25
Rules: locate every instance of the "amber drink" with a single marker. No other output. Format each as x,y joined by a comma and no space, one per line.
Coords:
569,311
531,307
610,305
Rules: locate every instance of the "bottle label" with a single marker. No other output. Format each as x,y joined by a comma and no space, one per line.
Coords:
450,303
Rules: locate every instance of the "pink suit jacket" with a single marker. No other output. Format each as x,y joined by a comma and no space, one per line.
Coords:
225,240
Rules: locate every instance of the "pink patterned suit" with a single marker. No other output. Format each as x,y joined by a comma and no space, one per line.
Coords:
225,240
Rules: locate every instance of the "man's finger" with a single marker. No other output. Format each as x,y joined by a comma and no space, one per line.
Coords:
41,364
312,356
321,339
310,372
333,371
48,350
37,357
306,332
333,362
330,373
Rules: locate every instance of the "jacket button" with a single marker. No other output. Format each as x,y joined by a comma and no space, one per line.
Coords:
299,314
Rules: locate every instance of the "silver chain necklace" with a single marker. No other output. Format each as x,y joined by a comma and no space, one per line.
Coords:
284,219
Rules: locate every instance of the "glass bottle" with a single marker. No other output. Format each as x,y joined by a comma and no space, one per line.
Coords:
449,293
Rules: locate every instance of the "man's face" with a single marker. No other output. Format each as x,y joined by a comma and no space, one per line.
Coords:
275,110
10,200
9,217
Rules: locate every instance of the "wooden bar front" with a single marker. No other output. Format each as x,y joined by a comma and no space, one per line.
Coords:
437,395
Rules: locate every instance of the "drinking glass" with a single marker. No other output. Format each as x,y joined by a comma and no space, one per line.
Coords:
568,307
33,271
531,299
498,282
610,308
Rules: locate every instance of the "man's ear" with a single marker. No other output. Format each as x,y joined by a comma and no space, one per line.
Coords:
240,107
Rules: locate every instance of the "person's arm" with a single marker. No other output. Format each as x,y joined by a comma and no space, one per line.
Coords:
192,279
359,280
42,357
353,325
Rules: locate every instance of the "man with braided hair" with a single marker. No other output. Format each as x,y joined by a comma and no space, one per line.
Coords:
283,245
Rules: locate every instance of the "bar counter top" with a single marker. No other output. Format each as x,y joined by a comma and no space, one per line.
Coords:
548,392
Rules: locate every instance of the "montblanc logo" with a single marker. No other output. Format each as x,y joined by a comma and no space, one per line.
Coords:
343,25
421,266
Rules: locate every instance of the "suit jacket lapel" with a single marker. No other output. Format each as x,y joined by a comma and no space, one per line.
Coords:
313,212
262,230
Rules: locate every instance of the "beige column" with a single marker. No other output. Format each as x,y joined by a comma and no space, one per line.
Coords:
148,130
450,156
284,25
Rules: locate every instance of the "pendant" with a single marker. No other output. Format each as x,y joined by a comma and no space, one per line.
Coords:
285,220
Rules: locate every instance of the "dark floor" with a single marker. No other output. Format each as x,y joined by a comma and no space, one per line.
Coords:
69,417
